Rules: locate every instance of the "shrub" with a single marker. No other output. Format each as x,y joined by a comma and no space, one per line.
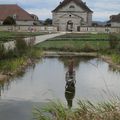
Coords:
9,21
88,48
2,50
113,41
118,47
21,46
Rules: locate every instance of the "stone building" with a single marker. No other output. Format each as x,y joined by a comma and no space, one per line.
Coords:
114,21
70,15
21,16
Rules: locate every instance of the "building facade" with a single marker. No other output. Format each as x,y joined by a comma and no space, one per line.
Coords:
114,21
21,16
70,15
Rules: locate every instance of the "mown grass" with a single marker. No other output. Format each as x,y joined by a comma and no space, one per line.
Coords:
73,45
80,42
86,110
85,36
7,36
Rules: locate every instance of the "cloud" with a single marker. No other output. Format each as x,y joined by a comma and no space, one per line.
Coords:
102,9
41,13
100,16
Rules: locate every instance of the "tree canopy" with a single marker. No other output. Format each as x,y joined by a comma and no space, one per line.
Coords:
48,21
9,21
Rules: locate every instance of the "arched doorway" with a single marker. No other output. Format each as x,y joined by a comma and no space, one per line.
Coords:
69,25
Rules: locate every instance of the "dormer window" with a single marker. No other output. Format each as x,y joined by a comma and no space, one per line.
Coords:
14,16
72,8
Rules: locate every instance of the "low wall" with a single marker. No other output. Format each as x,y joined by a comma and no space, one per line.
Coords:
54,29
29,28
100,29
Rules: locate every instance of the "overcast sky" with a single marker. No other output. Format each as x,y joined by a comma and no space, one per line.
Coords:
42,8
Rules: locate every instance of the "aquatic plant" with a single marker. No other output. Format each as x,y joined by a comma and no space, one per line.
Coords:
12,65
116,58
86,110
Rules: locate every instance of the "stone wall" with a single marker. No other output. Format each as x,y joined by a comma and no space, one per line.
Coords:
77,16
115,24
100,29
54,29
29,28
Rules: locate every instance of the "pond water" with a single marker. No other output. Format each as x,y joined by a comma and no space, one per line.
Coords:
92,79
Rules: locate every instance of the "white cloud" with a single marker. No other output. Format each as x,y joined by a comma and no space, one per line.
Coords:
101,16
102,9
41,13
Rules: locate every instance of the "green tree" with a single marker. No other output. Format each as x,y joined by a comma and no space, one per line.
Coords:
48,21
9,21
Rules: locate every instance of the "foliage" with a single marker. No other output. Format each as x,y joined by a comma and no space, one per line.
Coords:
74,45
21,46
12,65
9,21
13,59
48,21
88,47
116,58
2,50
113,41
8,36
86,111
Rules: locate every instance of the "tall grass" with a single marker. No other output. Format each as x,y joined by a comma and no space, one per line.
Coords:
86,111
12,65
116,58
12,60
113,41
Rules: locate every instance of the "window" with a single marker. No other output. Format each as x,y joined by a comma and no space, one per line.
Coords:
72,8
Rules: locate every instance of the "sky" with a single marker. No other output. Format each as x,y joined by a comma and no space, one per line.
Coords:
42,8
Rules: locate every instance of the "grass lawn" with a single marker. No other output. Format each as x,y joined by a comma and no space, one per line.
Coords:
6,36
84,36
73,45
78,42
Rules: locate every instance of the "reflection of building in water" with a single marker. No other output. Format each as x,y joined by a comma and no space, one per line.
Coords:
70,84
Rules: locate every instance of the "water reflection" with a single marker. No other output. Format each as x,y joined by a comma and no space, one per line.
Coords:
51,73
77,61
70,84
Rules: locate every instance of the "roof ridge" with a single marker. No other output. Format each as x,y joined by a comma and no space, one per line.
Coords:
78,2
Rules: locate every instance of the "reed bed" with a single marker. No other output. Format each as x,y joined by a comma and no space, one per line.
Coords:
86,110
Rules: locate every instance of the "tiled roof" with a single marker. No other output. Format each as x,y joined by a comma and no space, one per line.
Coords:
14,9
78,2
115,18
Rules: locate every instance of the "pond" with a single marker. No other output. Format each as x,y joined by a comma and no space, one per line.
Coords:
64,78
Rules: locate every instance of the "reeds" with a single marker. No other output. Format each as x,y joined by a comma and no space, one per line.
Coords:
86,111
12,59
